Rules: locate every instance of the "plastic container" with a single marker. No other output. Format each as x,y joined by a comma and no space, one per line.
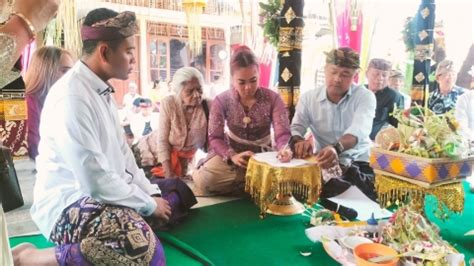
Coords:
372,227
364,252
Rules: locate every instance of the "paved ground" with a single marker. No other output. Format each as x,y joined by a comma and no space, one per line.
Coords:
19,221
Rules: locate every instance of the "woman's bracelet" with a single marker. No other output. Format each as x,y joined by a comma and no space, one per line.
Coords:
30,27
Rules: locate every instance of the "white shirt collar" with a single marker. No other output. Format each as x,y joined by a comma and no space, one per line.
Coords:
100,86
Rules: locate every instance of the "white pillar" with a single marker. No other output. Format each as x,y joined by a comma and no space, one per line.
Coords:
144,70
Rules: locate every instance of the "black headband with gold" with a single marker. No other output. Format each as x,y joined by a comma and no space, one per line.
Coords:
343,57
121,26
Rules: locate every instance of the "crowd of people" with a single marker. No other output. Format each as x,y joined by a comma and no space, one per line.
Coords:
104,184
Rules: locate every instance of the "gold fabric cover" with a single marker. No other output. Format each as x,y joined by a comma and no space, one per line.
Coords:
392,190
264,182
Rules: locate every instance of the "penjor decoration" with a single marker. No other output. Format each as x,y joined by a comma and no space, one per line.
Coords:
193,10
289,52
424,24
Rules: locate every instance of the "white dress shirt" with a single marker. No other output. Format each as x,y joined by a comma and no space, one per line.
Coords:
329,121
464,113
83,152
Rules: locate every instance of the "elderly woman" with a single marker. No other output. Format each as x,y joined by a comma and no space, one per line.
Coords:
444,97
239,126
182,127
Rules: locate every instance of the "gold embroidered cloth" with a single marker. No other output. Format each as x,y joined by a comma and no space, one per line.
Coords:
391,190
264,182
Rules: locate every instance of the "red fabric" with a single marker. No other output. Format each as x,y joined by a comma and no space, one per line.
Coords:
100,33
265,73
175,162
348,37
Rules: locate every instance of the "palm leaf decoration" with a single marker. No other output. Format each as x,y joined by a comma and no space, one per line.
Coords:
270,14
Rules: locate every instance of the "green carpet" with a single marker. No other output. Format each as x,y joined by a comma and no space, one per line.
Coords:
232,234
454,228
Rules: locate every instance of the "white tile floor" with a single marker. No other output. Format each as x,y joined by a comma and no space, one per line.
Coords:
19,221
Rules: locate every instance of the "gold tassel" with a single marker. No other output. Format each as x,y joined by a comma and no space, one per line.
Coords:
193,10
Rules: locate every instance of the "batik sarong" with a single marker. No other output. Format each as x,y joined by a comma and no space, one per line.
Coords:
93,233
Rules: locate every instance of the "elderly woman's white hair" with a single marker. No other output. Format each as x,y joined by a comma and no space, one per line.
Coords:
184,75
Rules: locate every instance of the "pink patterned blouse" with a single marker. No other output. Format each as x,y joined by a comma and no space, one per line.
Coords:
227,111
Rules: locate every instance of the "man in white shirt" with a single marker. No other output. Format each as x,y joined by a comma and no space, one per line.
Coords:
339,116
90,198
395,82
464,113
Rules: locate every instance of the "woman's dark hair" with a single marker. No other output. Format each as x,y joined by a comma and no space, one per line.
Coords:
242,57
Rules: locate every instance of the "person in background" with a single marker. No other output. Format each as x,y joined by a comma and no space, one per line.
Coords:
154,95
143,122
29,18
444,97
240,125
464,113
438,55
339,116
130,96
395,82
387,99
16,33
465,78
182,127
47,65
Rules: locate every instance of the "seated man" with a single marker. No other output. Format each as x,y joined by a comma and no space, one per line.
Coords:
90,198
377,78
395,82
340,118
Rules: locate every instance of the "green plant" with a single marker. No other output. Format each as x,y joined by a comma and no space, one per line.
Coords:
270,14
409,34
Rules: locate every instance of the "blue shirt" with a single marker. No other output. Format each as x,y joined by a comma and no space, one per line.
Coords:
329,121
440,103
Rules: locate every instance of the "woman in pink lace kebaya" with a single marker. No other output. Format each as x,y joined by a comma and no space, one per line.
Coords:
239,126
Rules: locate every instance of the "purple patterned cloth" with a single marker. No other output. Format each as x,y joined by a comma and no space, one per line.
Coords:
94,233
228,111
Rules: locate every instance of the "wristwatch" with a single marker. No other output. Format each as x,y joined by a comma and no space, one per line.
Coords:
338,147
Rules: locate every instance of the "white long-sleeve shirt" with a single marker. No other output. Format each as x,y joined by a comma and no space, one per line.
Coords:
83,152
464,113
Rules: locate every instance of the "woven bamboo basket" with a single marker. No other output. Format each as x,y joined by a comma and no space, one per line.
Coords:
419,168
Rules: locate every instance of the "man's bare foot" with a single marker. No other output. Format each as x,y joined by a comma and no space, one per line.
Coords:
19,252
28,254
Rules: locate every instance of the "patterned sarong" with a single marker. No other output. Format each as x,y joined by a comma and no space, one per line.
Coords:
94,233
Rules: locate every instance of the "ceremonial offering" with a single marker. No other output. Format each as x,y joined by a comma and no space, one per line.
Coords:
419,168
272,184
425,147
425,134
408,232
